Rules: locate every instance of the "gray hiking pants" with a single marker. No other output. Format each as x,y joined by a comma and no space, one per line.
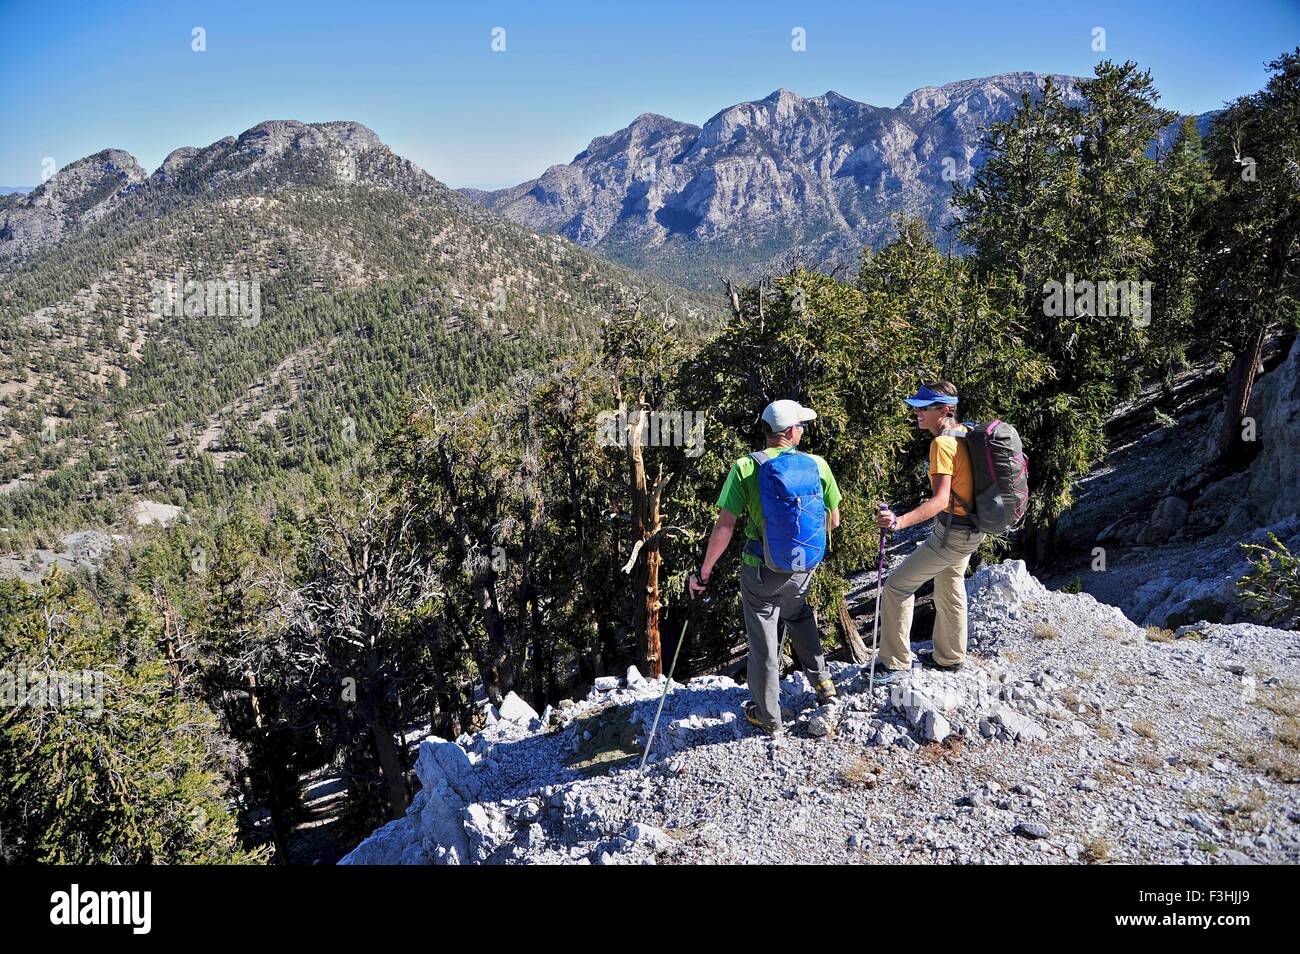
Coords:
769,597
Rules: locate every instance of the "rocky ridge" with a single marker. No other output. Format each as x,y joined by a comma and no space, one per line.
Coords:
270,157
824,174
80,193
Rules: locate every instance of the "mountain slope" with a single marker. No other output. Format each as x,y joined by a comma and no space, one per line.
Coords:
1094,743
372,279
823,174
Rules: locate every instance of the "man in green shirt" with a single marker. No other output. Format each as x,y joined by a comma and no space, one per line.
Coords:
769,596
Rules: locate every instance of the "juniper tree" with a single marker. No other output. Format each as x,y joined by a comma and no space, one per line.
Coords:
1066,195
1185,190
1253,239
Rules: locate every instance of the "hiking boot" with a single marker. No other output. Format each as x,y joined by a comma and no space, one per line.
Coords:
927,661
825,691
754,719
882,674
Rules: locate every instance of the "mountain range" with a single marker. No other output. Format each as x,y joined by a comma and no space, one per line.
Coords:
376,278
824,175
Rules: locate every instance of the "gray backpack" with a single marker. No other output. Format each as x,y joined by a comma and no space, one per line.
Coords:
1000,470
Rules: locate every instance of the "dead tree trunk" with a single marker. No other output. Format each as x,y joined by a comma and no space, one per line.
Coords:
644,560
390,759
390,763
647,531
1241,382
858,651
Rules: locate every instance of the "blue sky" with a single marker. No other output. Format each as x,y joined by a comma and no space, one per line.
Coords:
83,76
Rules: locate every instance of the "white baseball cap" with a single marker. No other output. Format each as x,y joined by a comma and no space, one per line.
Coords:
780,415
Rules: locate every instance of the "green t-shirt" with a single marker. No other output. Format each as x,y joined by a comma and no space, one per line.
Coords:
740,495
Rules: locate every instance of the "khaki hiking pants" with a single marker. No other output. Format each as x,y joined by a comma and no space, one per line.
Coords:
945,563
770,597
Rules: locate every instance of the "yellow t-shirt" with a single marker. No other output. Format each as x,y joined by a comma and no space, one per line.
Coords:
949,455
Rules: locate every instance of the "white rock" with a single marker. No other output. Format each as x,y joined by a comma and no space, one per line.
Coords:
642,834
486,830
1018,726
514,709
534,837
934,727
1003,585
433,829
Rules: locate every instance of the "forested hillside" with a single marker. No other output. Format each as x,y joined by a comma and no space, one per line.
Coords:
370,287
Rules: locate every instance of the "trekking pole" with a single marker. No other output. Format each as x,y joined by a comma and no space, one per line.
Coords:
671,667
875,622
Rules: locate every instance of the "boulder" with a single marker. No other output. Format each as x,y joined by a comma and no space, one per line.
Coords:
934,727
1008,583
514,709
1167,519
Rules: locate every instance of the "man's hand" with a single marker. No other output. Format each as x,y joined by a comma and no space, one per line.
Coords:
887,520
718,540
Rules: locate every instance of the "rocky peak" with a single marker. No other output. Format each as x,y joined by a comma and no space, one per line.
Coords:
646,131
995,93
79,193
778,109
828,173
276,136
109,170
177,160
271,156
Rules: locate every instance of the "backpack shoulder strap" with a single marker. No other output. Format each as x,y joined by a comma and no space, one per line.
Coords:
759,457
953,497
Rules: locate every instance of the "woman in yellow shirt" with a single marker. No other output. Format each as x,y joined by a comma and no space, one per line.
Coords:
946,552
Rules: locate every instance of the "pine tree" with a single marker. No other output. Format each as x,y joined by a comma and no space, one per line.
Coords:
1178,222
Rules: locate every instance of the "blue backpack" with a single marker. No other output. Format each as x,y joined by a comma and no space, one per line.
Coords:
794,511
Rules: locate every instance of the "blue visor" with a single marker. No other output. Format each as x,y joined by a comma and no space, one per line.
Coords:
924,397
